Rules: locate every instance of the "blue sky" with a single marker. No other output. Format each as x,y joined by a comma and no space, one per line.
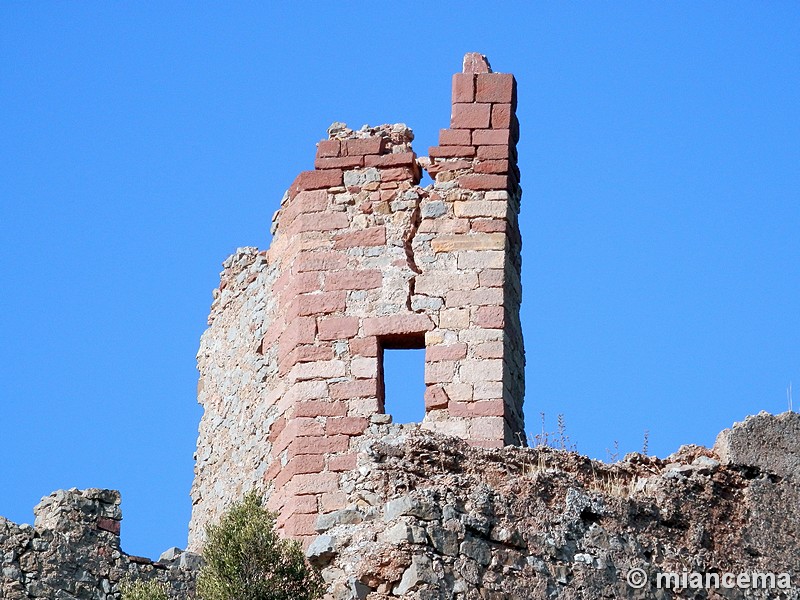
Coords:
141,143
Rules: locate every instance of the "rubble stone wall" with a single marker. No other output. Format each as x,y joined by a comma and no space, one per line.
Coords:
365,259
72,552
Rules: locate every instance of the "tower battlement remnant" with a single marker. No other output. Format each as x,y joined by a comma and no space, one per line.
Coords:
365,259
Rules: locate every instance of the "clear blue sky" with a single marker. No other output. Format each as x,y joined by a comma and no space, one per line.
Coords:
141,143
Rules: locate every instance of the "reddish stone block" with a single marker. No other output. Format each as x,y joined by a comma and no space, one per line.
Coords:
470,116
490,317
291,284
304,202
399,174
372,145
342,462
110,525
397,324
399,159
330,501
482,408
344,162
300,525
364,347
303,505
435,398
494,152
455,137
491,137
303,354
492,166
483,182
496,87
299,331
319,261
328,148
360,388
451,151
320,408
501,116
489,225
450,352
368,279
463,87
337,328
321,221
316,180
276,429
371,236
346,425
306,463
321,303
319,445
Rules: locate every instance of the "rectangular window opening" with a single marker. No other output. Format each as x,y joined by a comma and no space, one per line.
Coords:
402,378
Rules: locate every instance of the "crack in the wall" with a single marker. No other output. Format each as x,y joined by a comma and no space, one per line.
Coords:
408,244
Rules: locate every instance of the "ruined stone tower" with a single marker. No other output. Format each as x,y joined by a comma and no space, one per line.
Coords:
364,259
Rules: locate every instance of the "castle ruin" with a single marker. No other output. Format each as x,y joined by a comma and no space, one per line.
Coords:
364,259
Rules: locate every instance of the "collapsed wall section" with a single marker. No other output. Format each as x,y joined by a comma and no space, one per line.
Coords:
364,259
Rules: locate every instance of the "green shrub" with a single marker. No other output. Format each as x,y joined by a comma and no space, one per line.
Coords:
246,560
143,590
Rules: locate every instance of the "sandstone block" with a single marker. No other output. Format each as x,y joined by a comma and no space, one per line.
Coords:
439,372
359,388
372,236
435,398
455,137
480,297
479,408
342,462
495,87
496,167
328,148
320,408
321,303
346,425
476,371
483,181
398,159
337,328
494,153
344,163
486,259
397,324
491,137
315,180
451,151
364,368
501,116
481,208
373,145
470,116
366,279
490,317
463,88
450,352
318,445
449,243
320,261
364,346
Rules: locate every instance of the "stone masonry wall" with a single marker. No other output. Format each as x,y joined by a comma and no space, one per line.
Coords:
363,259
72,552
